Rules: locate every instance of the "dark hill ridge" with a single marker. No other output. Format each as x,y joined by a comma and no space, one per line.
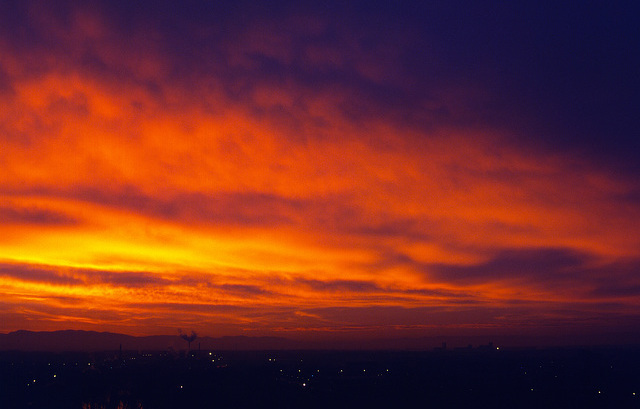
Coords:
88,341
91,341
75,340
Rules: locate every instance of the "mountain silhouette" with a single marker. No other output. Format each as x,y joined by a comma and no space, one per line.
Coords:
75,340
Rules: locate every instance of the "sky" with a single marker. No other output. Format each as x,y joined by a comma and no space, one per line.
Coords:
321,170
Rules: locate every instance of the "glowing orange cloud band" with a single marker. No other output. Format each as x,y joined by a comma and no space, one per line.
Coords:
145,209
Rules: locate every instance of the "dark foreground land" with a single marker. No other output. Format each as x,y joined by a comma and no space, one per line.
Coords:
477,378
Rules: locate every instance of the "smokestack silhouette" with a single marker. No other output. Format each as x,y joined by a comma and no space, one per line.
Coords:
189,338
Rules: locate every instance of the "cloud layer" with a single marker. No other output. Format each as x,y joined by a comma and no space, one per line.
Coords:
411,170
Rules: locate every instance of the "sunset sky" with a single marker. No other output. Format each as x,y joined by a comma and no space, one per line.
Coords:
318,170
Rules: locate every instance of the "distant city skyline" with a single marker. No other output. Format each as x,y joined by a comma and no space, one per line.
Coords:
321,172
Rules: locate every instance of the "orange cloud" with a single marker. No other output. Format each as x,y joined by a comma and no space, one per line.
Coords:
139,202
